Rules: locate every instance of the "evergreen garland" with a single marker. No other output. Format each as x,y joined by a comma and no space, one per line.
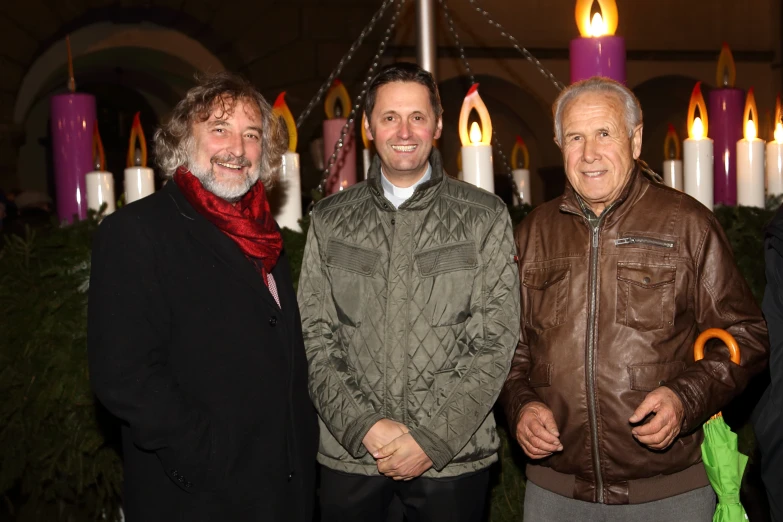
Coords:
58,449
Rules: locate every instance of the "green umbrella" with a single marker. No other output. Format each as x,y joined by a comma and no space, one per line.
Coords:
722,460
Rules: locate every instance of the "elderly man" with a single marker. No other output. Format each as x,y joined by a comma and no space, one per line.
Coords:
409,297
619,276
194,332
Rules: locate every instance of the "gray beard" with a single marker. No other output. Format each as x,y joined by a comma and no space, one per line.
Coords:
230,192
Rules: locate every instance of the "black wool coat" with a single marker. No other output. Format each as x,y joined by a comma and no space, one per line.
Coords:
189,350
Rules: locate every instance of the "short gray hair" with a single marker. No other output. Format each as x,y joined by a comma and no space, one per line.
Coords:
597,84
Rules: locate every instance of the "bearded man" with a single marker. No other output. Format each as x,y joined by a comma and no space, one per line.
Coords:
194,334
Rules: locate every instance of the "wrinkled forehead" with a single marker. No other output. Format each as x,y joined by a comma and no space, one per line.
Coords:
589,105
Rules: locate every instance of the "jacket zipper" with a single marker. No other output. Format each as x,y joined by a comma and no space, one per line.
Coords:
644,241
591,402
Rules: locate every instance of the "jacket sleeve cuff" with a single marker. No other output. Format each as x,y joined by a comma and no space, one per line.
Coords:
438,451
690,418
356,432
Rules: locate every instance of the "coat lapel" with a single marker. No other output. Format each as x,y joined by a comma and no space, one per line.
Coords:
219,244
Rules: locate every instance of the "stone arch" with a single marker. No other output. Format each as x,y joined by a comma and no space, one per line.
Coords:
514,112
664,101
144,67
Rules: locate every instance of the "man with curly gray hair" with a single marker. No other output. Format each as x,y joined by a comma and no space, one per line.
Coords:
194,336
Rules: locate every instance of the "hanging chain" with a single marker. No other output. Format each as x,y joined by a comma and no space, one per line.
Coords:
345,59
515,44
360,98
466,65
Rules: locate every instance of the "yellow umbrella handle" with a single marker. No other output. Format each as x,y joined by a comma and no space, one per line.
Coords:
716,333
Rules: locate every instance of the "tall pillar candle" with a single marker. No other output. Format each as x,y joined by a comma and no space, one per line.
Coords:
725,108
775,167
343,173
697,166
100,190
290,212
522,180
72,121
477,166
672,173
750,172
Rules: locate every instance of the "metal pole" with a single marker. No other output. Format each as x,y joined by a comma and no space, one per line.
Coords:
426,46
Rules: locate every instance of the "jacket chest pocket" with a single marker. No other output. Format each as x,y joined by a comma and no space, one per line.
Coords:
645,295
350,270
447,276
546,290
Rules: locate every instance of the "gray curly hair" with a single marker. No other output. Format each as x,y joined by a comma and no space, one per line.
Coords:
174,139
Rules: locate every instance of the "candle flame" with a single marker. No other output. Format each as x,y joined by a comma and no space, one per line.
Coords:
280,109
751,116
365,139
697,129
697,101
336,92
520,148
137,133
779,132
473,101
726,73
671,145
475,133
98,154
601,24
778,120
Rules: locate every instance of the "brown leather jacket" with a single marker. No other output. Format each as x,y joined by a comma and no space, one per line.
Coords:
611,313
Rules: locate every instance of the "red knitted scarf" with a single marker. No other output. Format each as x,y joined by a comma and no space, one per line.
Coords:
248,222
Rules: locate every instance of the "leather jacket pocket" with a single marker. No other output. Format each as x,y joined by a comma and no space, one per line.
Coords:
645,295
547,296
648,376
350,268
540,375
447,276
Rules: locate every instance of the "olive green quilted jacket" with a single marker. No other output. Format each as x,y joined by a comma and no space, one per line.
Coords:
410,314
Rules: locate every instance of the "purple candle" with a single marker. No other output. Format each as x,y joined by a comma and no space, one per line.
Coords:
598,56
725,106
598,52
73,118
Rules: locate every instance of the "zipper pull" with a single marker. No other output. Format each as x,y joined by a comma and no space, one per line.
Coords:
624,241
595,237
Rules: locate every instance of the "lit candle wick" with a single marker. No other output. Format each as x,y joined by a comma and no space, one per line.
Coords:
750,130
779,132
475,133
697,129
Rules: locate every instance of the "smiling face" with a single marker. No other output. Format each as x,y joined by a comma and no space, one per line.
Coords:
225,154
403,125
597,150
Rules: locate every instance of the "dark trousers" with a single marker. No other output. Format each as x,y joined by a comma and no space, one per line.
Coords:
347,497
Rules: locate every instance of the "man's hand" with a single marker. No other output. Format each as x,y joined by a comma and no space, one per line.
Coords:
402,459
661,430
537,431
382,433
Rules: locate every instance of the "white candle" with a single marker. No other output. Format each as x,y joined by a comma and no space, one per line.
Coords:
698,170
750,172
522,179
775,168
100,190
366,161
672,173
477,166
290,212
139,183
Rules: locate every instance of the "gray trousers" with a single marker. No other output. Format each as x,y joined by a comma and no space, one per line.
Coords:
544,506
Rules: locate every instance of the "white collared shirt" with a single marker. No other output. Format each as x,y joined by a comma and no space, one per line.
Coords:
396,195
